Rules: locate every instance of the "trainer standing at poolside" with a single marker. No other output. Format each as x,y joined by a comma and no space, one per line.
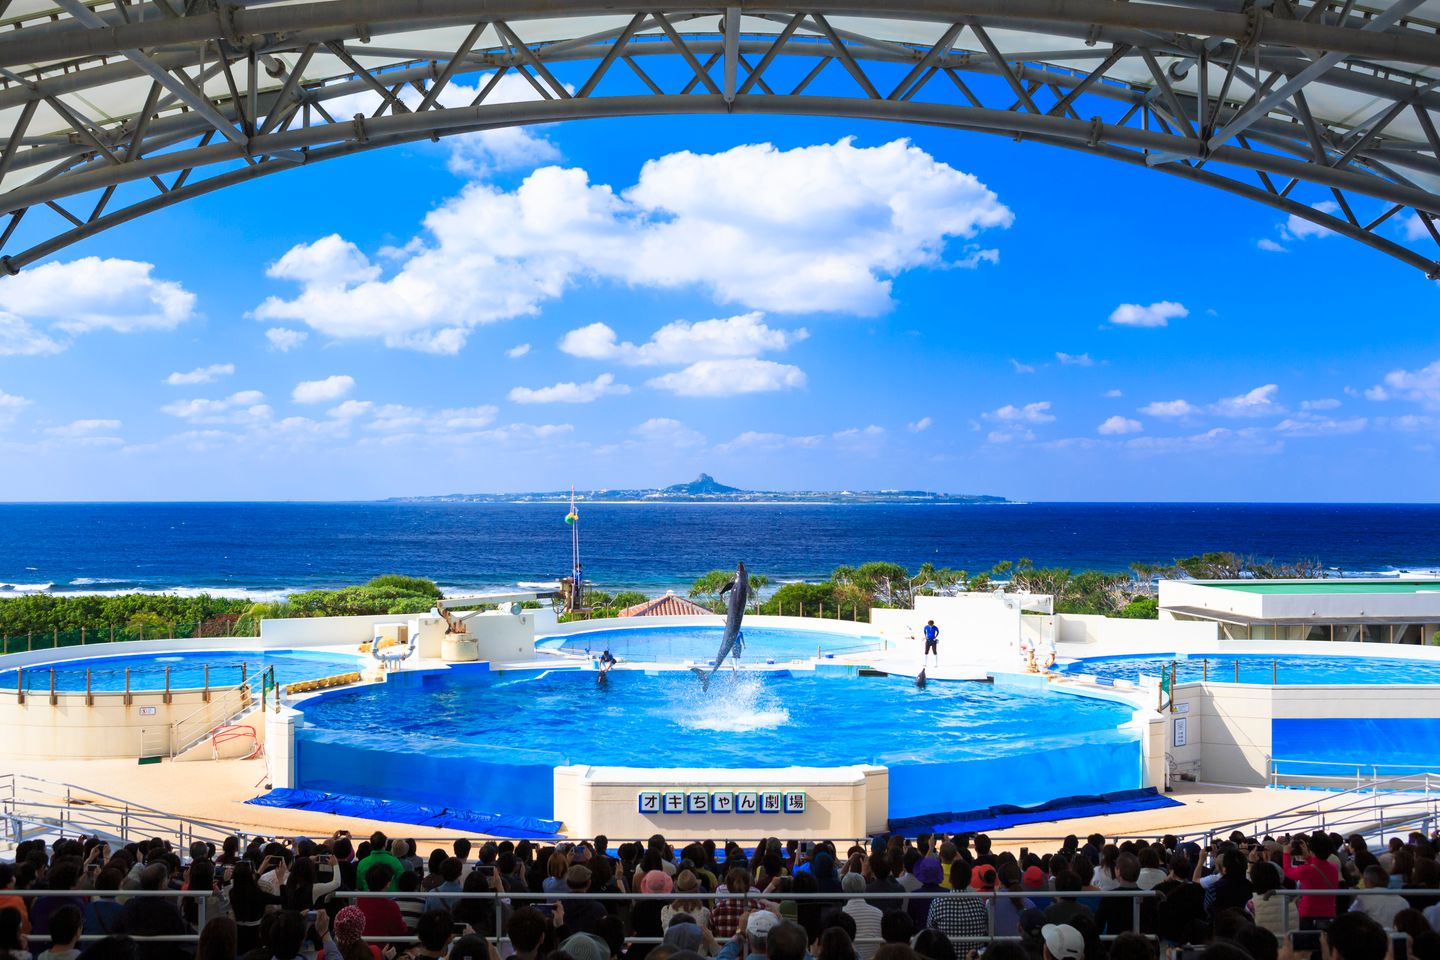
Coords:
932,642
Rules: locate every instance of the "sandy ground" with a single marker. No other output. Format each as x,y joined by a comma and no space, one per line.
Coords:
215,791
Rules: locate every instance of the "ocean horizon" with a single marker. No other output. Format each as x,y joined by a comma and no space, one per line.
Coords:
265,550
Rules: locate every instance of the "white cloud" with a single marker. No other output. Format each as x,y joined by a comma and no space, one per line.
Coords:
1328,403
201,375
1029,413
680,342
1021,367
44,307
518,351
243,407
1418,386
323,391
814,229
351,409
1158,314
1113,394
1297,227
1117,425
1303,425
1251,440
1259,402
1075,359
1169,408
84,433
756,441
601,386
465,418
284,339
1265,243
725,378
668,432
920,426
10,407
1414,228
84,428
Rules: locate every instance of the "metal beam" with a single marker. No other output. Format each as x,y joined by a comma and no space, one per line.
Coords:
171,82
1378,24
68,41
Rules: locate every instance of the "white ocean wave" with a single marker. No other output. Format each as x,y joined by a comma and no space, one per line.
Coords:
25,587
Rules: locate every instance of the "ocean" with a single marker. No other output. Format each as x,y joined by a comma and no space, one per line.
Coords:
265,550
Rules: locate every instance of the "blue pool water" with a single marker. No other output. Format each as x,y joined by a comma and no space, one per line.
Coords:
700,643
187,670
1255,668
493,739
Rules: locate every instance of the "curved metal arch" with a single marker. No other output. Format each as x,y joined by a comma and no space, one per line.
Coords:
852,109
1155,96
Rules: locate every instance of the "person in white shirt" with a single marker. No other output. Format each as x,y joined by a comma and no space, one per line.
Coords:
1380,907
867,918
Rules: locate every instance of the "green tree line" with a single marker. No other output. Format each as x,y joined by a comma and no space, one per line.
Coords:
204,615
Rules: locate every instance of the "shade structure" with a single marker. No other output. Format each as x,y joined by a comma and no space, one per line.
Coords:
114,109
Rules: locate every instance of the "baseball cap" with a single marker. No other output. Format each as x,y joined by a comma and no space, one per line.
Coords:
1034,878
577,877
1063,941
983,877
761,923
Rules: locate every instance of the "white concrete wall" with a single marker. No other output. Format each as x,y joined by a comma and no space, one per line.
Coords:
840,801
323,631
1104,636
107,728
1229,724
1417,607
974,627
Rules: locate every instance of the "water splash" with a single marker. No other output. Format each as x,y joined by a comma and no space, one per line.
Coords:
737,703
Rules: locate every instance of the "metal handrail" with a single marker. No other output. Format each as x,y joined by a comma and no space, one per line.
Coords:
200,718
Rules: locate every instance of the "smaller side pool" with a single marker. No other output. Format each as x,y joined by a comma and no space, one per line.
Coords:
187,669
701,643
1257,668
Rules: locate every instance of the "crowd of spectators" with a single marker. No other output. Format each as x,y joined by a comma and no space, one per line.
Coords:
889,899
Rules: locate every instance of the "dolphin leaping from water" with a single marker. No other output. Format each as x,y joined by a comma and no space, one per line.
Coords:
733,642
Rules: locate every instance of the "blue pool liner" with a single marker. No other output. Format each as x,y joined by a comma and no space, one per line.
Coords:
1064,808
419,814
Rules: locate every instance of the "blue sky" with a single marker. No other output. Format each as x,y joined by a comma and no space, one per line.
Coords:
783,303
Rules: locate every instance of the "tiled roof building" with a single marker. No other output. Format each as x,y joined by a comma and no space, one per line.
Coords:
666,606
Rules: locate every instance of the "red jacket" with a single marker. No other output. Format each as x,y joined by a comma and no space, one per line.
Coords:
1314,874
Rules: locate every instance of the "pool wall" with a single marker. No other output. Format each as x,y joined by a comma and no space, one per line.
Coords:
107,724
1236,733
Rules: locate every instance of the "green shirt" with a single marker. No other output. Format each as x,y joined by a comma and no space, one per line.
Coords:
380,856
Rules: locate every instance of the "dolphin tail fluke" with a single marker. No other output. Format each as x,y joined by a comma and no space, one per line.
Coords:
704,678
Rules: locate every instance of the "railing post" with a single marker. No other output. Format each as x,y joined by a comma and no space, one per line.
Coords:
112,633
1135,913
89,697
127,687
206,695
499,922
20,687
82,636
53,699
199,905
167,683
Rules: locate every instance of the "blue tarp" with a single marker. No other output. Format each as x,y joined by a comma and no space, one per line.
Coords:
398,811
1065,808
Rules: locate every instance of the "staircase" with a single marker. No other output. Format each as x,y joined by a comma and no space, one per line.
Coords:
34,807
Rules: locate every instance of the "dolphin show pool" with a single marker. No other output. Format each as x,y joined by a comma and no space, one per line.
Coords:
1259,669
479,735
186,670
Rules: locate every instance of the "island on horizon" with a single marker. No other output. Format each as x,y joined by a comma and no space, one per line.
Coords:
706,489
